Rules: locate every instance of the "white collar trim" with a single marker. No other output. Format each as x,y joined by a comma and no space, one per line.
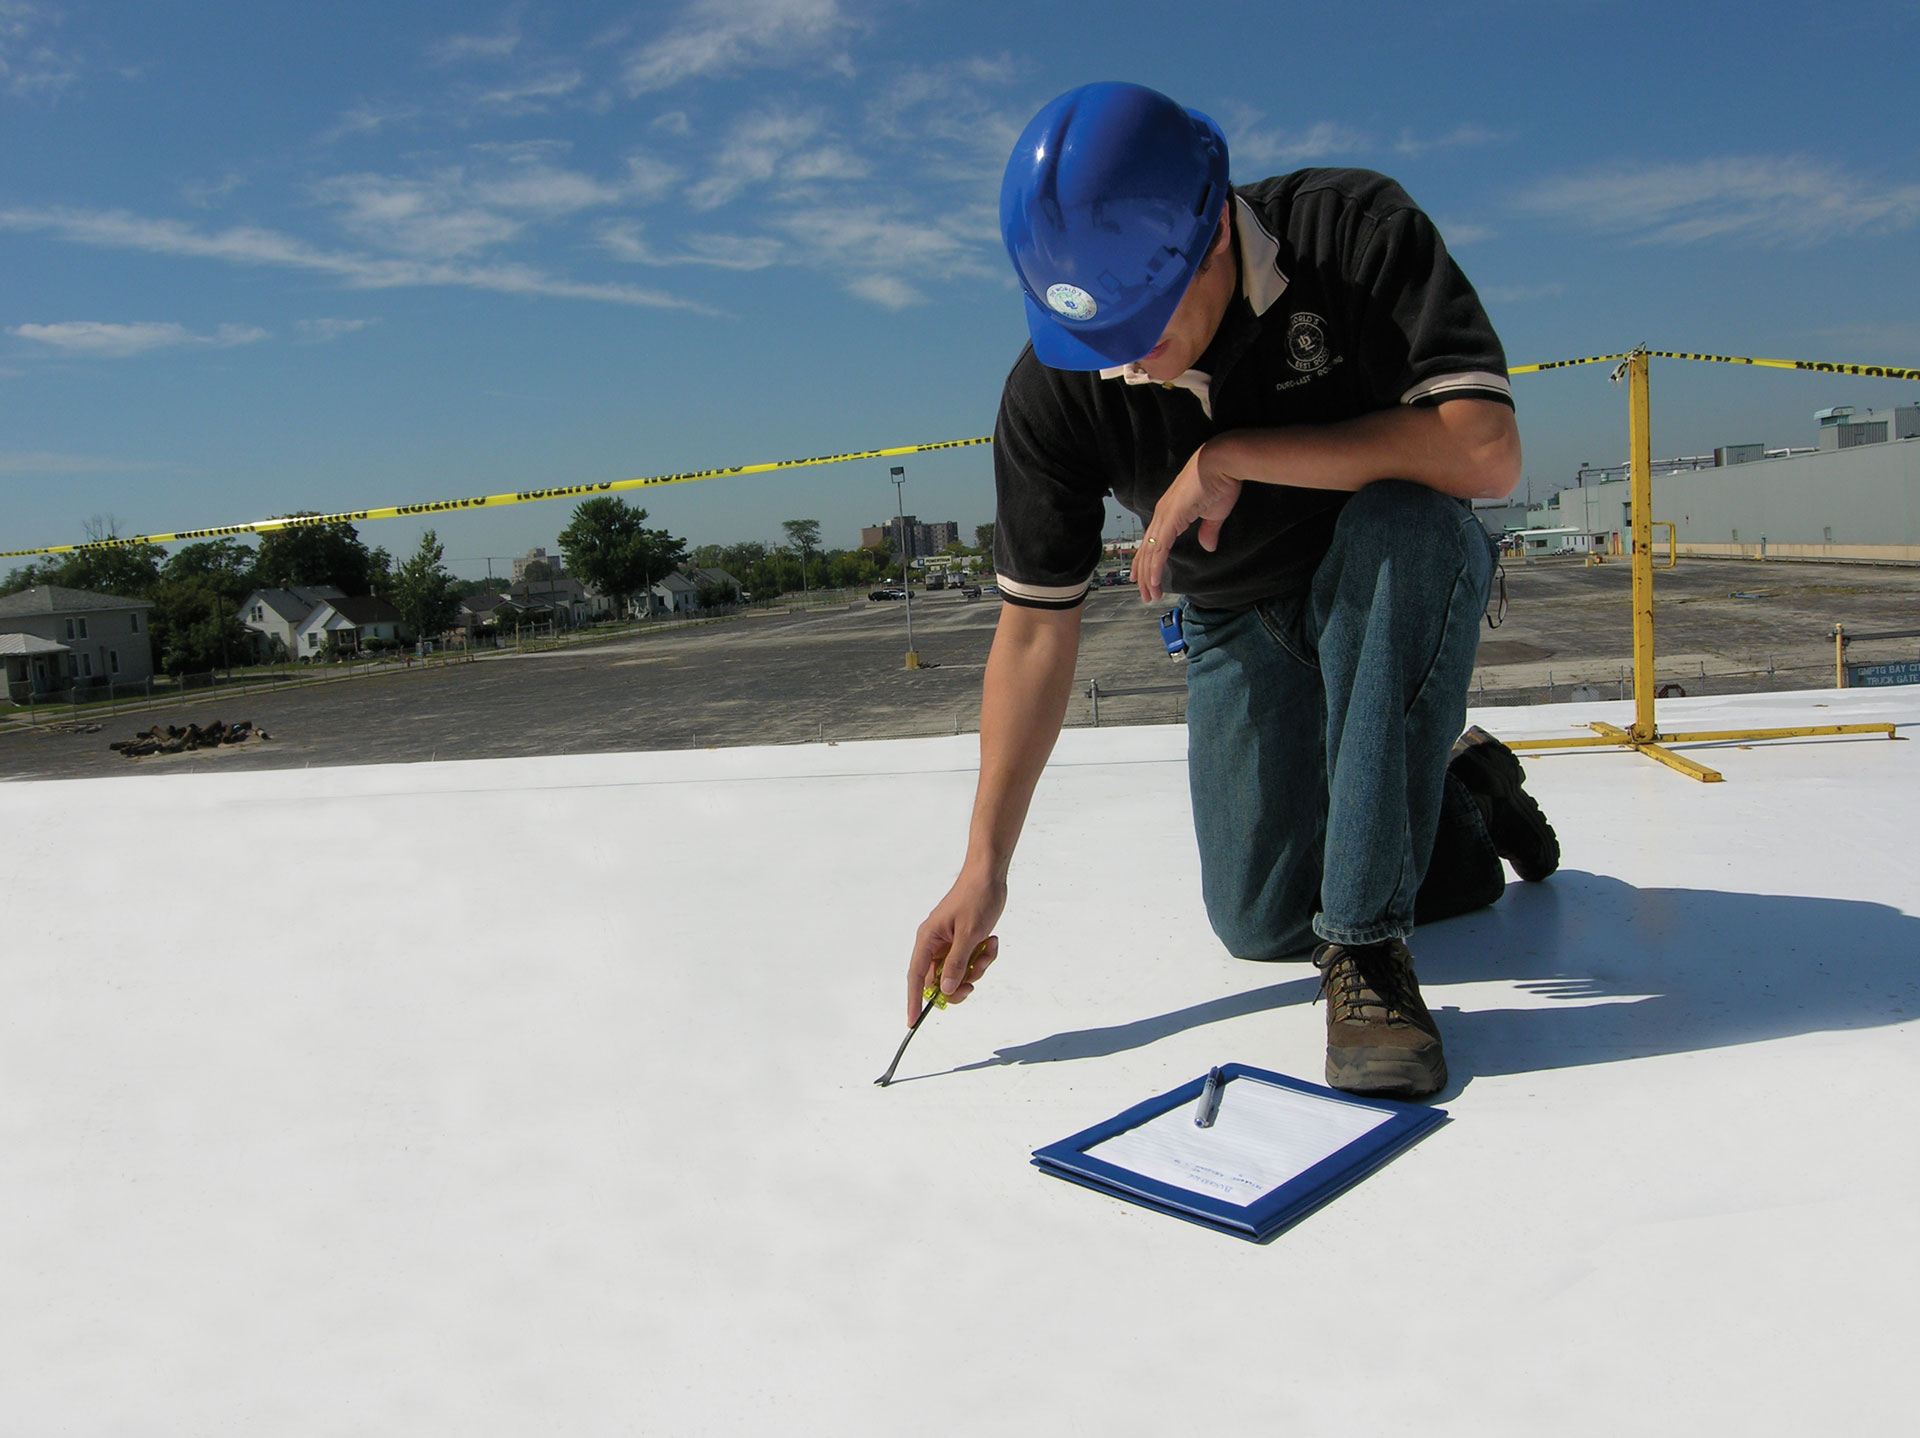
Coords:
1260,278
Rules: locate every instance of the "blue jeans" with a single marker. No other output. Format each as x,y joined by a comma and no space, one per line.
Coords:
1320,726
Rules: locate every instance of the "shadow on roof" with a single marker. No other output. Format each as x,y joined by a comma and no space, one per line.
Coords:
1616,973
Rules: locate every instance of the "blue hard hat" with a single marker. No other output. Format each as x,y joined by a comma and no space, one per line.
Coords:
1108,204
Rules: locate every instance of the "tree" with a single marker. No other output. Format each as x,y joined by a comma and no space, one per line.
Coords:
33,572
537,571
983,537
381,574
194,627
310,554
423,591
608,545
226,564
129,570
803,535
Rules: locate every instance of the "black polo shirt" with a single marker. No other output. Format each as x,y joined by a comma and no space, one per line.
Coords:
1348,304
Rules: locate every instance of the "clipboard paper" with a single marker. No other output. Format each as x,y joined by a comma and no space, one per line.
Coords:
1278,1150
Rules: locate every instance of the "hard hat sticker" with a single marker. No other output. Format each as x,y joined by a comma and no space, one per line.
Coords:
1071,301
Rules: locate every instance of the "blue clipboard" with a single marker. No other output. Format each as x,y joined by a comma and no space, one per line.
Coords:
1267,1213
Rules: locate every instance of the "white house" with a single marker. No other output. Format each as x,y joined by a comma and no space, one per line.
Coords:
346,623
676,594
276,615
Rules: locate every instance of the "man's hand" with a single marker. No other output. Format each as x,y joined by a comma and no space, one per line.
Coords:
1201,491
955,947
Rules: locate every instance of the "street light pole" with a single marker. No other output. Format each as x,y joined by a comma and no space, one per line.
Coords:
899,476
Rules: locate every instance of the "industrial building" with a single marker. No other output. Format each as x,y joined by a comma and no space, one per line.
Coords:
1854,496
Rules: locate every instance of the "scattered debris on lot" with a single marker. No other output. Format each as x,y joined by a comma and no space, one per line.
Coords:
172,739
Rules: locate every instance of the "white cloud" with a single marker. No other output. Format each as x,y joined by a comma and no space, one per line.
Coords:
623,241
881,257
530,185
461,210
248,245
1768,200
119,341
891,291
829,162
716,36
427,219
1462,232
322,330
673,122
1253,149
458,48
202,193
1461,137
1521,294
368,119
753,153
649,177
875,237
956,128
530,96
31,65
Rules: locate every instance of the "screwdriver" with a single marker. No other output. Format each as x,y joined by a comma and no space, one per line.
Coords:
930,999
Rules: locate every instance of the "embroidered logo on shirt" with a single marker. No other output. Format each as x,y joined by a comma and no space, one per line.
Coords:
1307,342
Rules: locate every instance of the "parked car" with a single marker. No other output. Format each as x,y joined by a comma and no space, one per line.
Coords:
888,594
970,591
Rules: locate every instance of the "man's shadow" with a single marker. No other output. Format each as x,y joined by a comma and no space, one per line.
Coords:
1615,972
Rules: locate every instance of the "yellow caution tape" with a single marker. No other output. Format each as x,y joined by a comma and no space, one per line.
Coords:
1870,371
610,486
1559,364
488,501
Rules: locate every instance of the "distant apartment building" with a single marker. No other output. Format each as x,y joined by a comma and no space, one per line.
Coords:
555,565
921,539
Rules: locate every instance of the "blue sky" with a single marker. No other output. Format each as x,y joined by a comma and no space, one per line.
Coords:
264,258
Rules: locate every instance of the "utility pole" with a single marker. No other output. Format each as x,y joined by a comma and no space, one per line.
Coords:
899,476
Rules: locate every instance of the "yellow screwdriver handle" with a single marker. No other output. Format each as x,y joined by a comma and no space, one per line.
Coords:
931,993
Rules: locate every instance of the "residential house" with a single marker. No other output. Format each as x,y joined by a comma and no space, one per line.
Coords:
475,613
275,617
346,622
53,639
714,579
676,594
570,601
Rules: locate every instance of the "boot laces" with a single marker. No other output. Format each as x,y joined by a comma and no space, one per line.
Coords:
1371,984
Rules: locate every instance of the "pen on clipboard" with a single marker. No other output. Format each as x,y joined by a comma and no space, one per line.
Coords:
1209,1108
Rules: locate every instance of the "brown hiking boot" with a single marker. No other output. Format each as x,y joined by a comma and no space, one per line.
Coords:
1380,1037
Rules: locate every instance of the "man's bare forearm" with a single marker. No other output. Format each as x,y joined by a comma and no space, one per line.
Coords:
1469,448
1023,702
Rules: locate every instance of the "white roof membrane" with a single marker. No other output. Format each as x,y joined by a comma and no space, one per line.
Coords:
537,1095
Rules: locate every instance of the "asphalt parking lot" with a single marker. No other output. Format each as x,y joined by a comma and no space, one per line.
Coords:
835,674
